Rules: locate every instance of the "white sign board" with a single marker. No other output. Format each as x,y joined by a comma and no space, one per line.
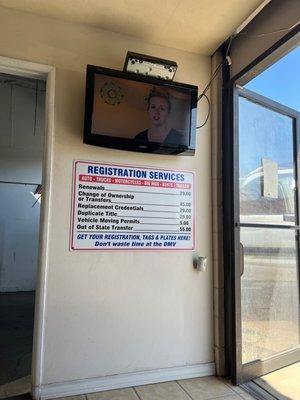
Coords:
117,207
270,178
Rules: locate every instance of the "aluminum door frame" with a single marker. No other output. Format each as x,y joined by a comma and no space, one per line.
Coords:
245,372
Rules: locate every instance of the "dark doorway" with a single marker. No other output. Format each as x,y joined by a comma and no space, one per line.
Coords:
22,105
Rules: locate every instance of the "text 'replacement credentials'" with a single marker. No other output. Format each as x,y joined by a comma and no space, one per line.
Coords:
118,207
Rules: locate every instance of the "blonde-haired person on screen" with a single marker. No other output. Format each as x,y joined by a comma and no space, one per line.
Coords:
159,133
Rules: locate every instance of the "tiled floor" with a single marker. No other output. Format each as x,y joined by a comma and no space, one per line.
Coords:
208,388
16,388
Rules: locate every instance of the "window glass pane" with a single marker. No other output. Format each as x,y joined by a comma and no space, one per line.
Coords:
270,293
267,181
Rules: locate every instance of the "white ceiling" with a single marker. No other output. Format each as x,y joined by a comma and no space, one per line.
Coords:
199,26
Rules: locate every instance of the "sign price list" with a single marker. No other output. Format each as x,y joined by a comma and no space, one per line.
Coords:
119,211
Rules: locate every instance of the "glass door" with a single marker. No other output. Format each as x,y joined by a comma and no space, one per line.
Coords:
266,237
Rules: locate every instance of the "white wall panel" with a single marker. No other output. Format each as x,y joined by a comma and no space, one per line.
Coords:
21,140
115,312
19,220
21,129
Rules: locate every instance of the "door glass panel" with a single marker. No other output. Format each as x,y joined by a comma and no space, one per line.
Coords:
269,293
267,179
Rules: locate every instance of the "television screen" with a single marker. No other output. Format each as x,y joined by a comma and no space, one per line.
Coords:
133,112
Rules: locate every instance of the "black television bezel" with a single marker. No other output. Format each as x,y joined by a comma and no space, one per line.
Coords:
130,144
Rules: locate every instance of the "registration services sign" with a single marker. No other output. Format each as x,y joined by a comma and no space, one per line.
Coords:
119,207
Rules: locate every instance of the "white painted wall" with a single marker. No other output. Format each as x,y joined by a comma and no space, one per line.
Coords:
114,313
19,229
21,147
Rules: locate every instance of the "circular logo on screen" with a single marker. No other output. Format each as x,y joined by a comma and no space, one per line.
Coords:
111,93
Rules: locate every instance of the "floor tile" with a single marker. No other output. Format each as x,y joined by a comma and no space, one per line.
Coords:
120,394
232,396
205,388
16,388
242,393
162,391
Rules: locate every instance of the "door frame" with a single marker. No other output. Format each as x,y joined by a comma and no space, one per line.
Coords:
258,368
44,72
232,295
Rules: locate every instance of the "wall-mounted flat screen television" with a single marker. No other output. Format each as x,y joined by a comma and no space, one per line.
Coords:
133,112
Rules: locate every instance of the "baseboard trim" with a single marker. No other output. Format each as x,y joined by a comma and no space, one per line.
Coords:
100,384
